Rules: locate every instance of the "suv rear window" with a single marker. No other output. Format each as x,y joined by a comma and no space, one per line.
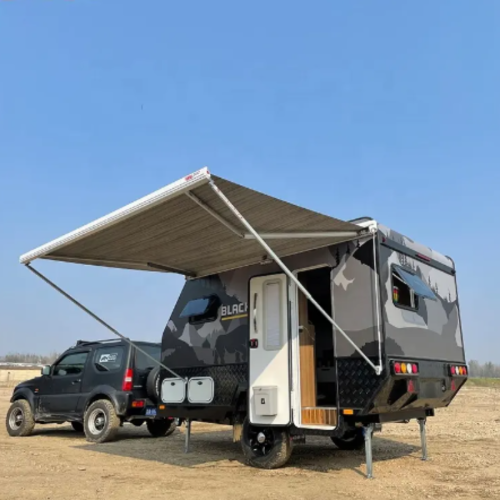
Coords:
108,359
143,362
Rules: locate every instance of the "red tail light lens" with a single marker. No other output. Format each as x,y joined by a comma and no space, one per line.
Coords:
397,367
138,404
465,370
127,380
453,371
415,368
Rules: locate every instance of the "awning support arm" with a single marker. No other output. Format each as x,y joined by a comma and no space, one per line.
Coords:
98,319
214,214
378,369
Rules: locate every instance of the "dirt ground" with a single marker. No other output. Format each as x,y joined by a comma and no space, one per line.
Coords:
57,464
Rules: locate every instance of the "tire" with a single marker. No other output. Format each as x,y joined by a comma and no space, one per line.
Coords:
20,420
153,384
351,440
77,426
101,423
161,428
272,453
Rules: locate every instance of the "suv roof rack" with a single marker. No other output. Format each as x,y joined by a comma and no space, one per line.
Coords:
90,342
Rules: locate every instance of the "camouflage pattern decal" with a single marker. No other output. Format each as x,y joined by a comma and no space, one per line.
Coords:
433,331
353,299
413,245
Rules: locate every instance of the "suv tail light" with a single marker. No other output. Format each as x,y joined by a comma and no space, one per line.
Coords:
128,380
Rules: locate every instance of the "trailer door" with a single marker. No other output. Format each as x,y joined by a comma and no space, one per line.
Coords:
269,353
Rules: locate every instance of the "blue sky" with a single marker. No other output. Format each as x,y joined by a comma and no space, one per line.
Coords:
389,109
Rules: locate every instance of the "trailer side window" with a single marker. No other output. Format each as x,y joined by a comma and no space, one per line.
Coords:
407,288
201,310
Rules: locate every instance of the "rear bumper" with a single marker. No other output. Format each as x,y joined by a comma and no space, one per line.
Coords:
403,396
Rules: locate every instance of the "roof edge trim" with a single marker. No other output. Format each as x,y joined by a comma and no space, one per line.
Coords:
172,190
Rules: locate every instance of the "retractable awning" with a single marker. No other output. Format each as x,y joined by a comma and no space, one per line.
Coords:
188,228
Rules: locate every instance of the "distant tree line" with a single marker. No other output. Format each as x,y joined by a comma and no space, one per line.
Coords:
17,357
486,370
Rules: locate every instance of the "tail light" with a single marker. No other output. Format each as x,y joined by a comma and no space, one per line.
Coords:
139,403
404,368
457,370
127,380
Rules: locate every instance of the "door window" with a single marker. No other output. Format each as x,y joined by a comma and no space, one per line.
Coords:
72,364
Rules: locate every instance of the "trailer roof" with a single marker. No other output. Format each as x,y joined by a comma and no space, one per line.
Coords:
187,228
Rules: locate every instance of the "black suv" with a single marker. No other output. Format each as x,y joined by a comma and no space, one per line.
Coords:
96,386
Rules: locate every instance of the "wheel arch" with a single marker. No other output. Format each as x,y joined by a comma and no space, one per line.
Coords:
106,392
25,394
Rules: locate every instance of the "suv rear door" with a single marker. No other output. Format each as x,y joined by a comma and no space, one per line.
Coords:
142,366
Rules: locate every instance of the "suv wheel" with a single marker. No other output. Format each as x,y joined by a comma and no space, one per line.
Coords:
101,422
160,428
20,420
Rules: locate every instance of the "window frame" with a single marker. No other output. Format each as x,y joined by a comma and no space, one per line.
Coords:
414,297
64,356
115,370
214,301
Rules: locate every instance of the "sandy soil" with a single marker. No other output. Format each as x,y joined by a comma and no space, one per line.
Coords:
464,447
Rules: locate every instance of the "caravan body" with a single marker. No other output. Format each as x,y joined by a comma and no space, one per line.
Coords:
257,332
290,322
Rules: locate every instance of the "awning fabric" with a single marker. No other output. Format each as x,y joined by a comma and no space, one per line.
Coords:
174,229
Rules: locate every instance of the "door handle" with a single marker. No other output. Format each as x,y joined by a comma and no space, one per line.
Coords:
77,381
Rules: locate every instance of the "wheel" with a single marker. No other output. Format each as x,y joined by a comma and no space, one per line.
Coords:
101,422
20,420
352,440
77,426
153,384
160,428
265,447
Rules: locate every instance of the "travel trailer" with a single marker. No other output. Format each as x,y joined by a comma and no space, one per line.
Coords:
290,322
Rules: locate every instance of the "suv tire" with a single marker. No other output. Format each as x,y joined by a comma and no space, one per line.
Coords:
161,428
101,423
20,420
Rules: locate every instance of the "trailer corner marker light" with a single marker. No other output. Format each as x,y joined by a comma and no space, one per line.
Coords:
348,411
161,407
403,367
397,367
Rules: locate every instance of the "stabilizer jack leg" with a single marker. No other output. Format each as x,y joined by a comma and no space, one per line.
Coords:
188,436
423,437
368,432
